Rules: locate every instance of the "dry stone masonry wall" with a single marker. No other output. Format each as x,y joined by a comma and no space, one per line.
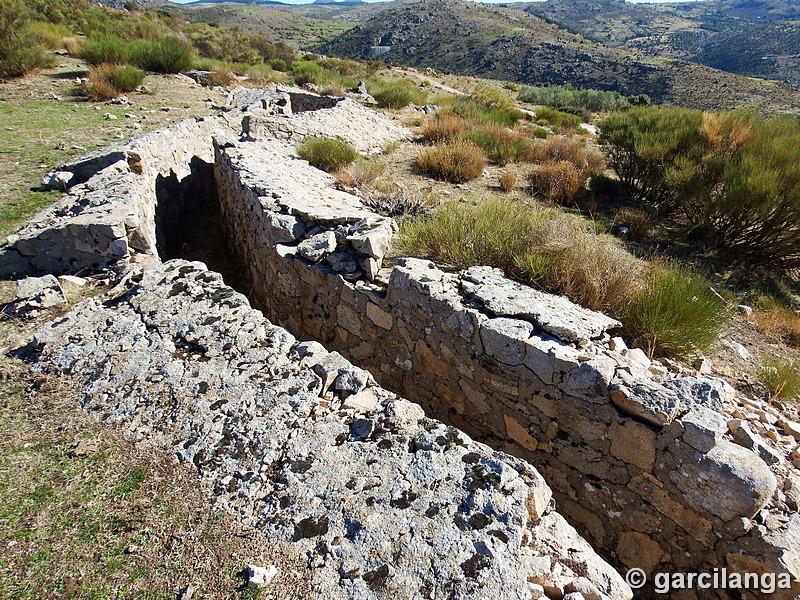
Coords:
658,469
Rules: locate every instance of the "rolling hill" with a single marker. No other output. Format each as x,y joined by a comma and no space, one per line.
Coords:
502,42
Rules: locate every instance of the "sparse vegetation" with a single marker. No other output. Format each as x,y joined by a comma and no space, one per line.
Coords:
19,52
328,154
500,144
560,148
360,174
456,161
558,182
780,377
557,119
442,127
732,178
559,96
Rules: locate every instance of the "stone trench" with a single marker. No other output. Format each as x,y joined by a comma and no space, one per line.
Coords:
657,468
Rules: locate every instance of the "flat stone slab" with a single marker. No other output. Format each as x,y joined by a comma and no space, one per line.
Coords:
554,314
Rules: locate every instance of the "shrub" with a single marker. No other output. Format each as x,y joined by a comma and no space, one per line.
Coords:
305,72
779,322
165,55
279,64
638,222
359,174
395,203
328,154
500,144
568,96
442,127
508,181
19,54
560,148
398,94
733,177
72,46
48,35
557,182
98,86
780,377
104,49
559,120
457,161
125,77
676,314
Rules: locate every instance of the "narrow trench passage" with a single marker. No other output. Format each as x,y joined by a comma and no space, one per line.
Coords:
188,222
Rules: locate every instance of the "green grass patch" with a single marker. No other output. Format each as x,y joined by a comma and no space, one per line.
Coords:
780,377
328,154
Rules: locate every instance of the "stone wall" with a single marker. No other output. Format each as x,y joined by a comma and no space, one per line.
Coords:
662,471
379,500
641,459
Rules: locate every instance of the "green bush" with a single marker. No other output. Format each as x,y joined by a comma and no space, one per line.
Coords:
328,154
126,78
397,94
558,96
279,64
457,161
306,71
166,55
48,35
473,109
19,54
105,49
731,178
562,121
500,144
780,377
676,314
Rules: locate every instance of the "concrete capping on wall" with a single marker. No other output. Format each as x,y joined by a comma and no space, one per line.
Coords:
644,462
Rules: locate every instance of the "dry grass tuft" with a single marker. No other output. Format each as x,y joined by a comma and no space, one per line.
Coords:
442,127
457,161
557,182
560,148
98,86
359,175
508,181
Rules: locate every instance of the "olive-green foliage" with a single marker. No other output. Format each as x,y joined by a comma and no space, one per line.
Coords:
558,96
557,119
328,154
732,178
306,71
164,55
780,377
126,78
668,310
19,53
675,314
397,93
108,49
233,45
487,109
500,144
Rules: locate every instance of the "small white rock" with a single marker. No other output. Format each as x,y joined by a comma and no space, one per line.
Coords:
259,577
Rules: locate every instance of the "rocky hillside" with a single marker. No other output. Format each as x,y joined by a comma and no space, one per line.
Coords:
503,43
758,39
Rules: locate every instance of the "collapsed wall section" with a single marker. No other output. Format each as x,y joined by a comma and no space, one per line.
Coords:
644,463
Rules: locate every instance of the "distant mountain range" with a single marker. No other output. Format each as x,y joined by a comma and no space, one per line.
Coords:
688,53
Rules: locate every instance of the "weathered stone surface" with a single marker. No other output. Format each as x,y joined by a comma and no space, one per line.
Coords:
638,551
57,180
703,428
644,398
34,293
711,392
634,443
554,314
729,481
505,339
318,246
260,577
247,400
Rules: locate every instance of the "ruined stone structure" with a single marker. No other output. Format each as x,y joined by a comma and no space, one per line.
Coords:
650,465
